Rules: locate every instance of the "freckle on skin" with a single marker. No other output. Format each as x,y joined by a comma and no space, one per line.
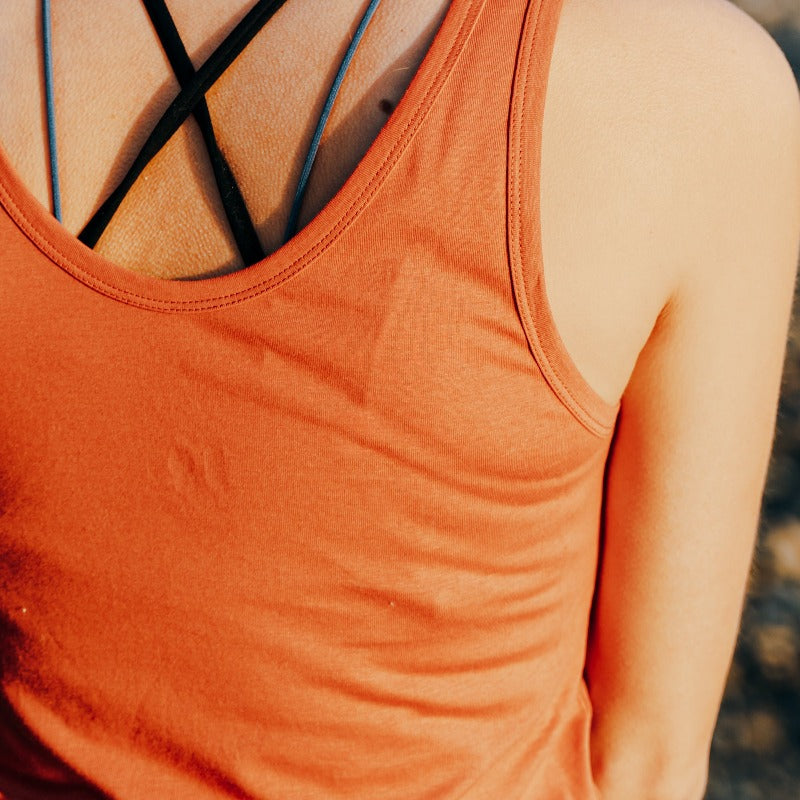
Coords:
386,106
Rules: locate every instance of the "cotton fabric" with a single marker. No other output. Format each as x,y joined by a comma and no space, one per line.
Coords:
325,527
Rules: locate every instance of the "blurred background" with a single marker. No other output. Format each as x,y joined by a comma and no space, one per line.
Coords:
755,754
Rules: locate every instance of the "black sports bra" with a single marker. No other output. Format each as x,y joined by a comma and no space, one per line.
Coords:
191,100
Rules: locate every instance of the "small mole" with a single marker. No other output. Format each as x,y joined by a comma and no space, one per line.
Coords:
386,106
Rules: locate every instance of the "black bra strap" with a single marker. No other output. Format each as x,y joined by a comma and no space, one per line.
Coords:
239,220
180,108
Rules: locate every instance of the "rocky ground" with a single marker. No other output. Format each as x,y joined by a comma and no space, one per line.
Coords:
756,749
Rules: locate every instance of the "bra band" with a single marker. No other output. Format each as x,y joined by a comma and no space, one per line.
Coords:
241,225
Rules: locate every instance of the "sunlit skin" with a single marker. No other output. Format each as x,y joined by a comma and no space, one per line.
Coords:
670,195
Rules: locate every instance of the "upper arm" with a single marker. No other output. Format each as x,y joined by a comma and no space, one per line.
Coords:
688,464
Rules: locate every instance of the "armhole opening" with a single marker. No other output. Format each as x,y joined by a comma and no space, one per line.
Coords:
526,117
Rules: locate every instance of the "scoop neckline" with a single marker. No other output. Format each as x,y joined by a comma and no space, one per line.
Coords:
146,291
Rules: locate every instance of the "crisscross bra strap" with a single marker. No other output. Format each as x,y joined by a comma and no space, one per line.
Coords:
191,100
180,108
241,225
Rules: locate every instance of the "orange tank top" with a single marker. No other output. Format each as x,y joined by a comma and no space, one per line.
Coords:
324,527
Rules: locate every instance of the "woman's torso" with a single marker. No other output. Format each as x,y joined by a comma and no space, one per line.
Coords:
372,439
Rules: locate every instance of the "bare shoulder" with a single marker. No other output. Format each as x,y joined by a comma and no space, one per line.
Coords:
688,59
697,95
696,115
658,117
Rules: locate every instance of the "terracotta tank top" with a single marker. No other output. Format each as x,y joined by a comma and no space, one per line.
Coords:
325,527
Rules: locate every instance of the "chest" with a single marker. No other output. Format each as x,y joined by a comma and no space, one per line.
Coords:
264,109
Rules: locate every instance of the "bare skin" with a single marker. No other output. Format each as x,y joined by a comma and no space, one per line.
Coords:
670,222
